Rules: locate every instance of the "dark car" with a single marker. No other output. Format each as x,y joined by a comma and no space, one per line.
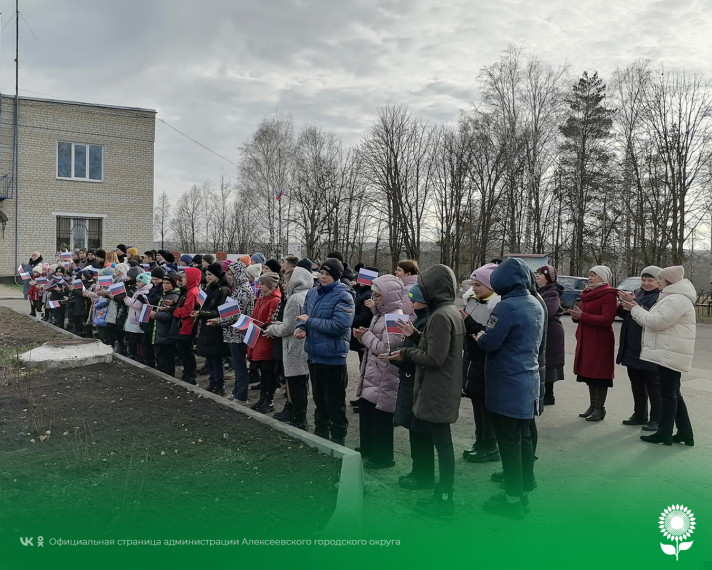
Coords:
572,289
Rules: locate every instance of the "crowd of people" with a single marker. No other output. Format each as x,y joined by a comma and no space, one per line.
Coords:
292,322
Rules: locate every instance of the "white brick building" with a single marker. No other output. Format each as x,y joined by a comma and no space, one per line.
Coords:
85,178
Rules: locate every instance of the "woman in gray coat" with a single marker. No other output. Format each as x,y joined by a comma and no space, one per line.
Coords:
296,367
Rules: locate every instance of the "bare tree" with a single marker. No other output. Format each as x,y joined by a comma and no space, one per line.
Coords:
189,218
218,214
162,217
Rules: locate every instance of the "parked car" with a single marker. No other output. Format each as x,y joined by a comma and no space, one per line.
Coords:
572,289
630,284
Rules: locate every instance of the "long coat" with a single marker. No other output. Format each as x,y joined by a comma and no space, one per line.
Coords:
379,378
594,336
265,308
551,293
210,339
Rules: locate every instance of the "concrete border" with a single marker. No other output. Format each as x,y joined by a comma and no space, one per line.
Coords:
347,518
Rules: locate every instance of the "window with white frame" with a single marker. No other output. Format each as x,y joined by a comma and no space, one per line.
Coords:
77,161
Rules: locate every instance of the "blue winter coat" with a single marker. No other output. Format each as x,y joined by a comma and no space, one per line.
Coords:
331,312
511,341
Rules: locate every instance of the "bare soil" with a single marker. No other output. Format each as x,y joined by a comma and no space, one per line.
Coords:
107,450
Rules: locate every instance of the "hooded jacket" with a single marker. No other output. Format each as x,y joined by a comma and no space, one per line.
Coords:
265,308
187,302
595,343
551,293
379,378
293,356
164,316
242,293
669,328
438,356
512,341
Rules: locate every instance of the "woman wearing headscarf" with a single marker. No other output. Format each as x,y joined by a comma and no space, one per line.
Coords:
669,331
594,359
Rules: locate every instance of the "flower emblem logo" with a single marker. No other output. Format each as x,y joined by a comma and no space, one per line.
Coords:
677,523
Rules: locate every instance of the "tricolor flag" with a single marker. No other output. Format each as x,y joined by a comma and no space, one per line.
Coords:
280,194
105,280
116,288
243,321
41,280
77,284
25,276
145,266
252,334
53,304
365,276
392,322
66,255
229,309
66,264
92,269
202,295
145,315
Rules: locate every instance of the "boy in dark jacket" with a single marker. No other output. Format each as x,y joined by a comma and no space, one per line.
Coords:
163,345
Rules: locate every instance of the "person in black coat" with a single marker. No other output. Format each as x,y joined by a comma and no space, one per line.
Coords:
152,297
210,339
550,290
644,379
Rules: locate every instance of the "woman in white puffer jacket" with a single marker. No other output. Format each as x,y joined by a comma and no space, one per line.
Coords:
669,331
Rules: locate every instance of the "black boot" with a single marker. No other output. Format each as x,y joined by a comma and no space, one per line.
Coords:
287,413
592,405
549,399
600,399
439,506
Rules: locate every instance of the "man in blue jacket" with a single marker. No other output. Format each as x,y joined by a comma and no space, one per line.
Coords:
511,341
326,325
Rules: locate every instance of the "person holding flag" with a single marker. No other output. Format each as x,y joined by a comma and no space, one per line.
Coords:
81,306
137,305
378,386
189,281
163,345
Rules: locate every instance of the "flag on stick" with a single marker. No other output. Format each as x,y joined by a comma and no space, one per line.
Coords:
117,288
365,276
392,322
252,334
77,284
145,315
41,280
25,276
202,295
229,309
105,280
66,255
91,269
53,304
145,266
243,321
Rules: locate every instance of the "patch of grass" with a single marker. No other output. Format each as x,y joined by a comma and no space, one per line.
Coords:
9,355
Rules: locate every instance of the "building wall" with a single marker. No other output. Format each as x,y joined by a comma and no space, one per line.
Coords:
124,198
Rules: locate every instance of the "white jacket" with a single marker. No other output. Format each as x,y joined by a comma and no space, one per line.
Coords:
669,327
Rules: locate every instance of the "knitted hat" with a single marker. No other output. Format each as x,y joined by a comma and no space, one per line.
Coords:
333,267
246,260
107,271
172,276
216,269
158,272
87,275
37,270
225,264
254,270
122,268
415,294
132,251
134,272
650,271
144,278
306,263
100,253
257,257
187,259
197,259
168,256
273,264
484,274
269,279
548,271
122,248
603,272
672,274
208,258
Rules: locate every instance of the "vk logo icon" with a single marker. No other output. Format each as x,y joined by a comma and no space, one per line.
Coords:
26,541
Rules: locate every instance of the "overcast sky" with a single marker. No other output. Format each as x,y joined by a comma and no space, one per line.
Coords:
214,68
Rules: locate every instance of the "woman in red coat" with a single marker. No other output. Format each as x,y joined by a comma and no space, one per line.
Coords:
594,360
261,354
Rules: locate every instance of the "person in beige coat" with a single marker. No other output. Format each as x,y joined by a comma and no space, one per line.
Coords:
669,330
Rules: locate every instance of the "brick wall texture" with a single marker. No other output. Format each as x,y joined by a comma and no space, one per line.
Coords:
124,198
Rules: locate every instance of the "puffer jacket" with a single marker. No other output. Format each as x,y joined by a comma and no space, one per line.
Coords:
164,317
210,339
187,303
438,356
630,340
551,293
265,308
669,328
379,378
331,311
242,293
512,341
293,356
135,304
407,305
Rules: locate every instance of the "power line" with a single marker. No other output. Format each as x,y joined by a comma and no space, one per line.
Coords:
199,143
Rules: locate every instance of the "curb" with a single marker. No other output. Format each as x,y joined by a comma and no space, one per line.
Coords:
347,518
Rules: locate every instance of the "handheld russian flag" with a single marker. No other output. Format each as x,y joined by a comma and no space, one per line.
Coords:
41,280
392,322
202,295
252,334
145,314
117,288
91,269
229,309
77,284
25,276
105,280
53,304
145,266
365,276
243,321
66,264
66,255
